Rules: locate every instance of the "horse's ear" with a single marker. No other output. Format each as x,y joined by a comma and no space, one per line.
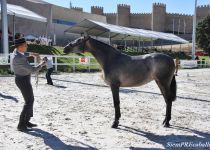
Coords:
86,37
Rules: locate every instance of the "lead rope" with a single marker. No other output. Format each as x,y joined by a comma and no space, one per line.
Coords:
37,61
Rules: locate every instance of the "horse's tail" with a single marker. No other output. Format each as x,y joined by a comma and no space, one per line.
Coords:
173,88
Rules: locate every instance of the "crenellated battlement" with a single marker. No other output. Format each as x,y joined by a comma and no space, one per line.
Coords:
140,14
97,7
159,4
123,5
179,15
203,6
97,10
77,8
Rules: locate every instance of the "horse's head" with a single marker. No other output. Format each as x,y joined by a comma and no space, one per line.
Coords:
76,46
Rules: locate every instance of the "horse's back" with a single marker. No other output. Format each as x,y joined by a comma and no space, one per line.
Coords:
139,70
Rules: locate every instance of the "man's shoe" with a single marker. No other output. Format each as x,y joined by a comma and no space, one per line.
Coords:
22,128
30,125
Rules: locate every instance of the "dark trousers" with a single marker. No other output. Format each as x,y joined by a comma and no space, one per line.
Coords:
24,84
48,76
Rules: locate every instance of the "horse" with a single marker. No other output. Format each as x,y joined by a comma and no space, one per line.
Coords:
121,70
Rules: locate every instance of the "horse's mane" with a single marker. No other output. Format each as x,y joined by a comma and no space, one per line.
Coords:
106,46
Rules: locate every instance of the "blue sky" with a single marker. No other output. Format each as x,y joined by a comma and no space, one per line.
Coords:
173,6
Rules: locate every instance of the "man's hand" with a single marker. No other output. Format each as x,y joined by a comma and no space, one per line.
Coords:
34,54
43,63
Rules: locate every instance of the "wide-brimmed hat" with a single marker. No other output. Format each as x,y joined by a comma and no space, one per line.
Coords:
19,41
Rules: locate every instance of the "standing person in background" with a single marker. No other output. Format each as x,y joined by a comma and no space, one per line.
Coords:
177,66
22,70
198,62
50,69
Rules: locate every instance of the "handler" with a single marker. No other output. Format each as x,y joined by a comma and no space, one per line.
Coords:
49,66
22,70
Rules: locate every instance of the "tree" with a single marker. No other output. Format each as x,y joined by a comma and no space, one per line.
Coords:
203,34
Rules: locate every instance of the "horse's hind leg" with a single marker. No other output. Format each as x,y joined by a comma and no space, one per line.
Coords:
165,90
116,99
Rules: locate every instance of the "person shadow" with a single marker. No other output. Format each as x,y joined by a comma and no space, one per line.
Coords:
8,97
167,141
55,143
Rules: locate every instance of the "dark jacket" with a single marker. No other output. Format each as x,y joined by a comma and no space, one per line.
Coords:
21,66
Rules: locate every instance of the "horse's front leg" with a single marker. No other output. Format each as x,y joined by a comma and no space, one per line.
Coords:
116,100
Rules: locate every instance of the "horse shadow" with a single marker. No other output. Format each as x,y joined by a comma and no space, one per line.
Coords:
60,86
167,140
126,91
9,97
55,143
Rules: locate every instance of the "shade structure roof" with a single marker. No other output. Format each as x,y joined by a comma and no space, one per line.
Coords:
22,12
115,32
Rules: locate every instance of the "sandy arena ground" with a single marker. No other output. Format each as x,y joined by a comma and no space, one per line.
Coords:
77,113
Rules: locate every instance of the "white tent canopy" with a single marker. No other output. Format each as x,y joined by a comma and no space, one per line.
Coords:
22,12
30,37
115,32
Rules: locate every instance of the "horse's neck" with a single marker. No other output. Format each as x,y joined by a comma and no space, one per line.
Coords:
103,53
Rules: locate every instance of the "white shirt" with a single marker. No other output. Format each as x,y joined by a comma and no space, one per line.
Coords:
49,64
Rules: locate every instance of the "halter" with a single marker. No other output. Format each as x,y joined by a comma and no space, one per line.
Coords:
85,40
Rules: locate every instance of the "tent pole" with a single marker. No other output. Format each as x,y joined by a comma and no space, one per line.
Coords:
4,20
194,31
151,43
14,28
133,45
109,38
125,43
46,32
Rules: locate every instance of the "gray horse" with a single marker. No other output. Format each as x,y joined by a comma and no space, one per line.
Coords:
121,70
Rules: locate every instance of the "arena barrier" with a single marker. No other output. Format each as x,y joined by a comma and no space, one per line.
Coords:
88,61
73,61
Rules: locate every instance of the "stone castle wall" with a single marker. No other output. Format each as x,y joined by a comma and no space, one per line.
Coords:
158,20
111,18
140,20
181,23
202,11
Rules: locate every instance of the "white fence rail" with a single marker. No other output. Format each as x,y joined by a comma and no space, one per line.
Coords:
73,61
89,61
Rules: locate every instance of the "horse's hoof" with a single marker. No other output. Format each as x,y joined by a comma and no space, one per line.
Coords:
115,124
166,125
164,121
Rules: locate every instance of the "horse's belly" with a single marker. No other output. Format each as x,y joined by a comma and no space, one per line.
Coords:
134,81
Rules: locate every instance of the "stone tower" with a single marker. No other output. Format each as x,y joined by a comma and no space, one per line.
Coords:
123,15
158,17
202,12
97,10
